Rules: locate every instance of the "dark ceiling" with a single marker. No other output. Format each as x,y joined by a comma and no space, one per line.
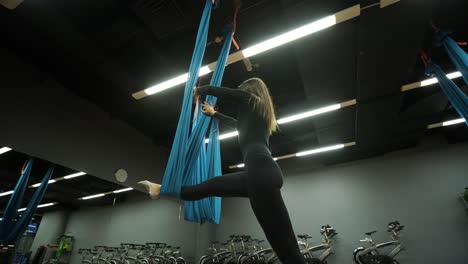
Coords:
106,50
65,193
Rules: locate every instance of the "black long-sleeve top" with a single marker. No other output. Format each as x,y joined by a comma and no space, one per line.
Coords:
251,126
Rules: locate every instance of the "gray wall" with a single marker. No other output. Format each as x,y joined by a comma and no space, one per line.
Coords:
417,187
52,227
137,221
43,119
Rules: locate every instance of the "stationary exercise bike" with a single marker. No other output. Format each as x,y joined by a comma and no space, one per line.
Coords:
87,255
311,253
372,255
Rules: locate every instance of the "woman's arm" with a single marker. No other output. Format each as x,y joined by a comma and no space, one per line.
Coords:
207,109
229,121
234,95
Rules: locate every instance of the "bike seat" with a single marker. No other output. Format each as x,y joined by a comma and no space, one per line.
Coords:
371,233
395,228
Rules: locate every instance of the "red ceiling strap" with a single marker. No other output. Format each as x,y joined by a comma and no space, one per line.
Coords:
24,166
196,101
234,22
426,60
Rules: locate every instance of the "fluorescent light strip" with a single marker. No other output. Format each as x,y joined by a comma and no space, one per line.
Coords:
225,136
67,177
453,122
428,82
39,184
71,176
319,150
290,36
6,193
305,153
308,114
261,47
446,123
46,205
297,117
39,206
175,81
123,190
104,194
4,150
74,175
92,196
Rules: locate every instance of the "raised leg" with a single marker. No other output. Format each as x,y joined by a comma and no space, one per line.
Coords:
228,185
264,182
271,213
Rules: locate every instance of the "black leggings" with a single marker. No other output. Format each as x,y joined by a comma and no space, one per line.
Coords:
261,183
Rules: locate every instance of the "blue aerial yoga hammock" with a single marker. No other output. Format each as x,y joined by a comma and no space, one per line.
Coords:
15,202
191,161
26,216
457,98
10,231
456,54
196,170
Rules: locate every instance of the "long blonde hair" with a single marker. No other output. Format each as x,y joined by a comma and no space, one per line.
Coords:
261,101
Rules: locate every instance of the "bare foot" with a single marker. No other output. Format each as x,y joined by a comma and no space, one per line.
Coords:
153,189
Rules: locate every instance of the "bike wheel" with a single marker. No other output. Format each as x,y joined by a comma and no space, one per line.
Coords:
244,260
208,260
356,255
357,258
203,260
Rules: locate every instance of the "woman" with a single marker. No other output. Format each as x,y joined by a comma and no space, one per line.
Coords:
262,179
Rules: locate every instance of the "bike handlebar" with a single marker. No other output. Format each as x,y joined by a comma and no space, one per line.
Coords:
395,226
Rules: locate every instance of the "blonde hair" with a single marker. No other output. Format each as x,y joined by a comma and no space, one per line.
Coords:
261,102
